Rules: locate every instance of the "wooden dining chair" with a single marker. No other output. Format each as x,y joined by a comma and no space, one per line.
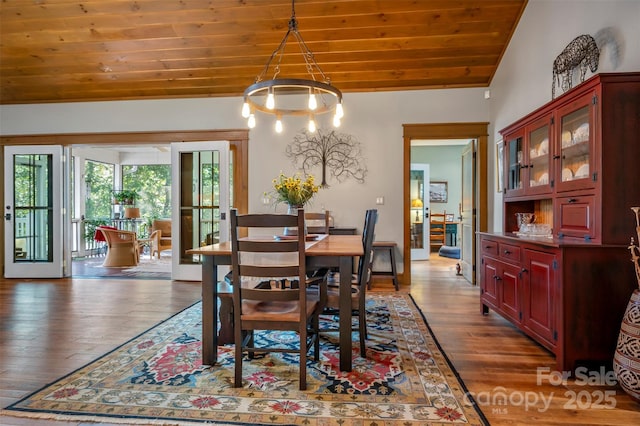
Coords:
317,223
437,229
359,283
278,301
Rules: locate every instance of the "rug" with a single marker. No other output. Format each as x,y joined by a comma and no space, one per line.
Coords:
146,269
158,378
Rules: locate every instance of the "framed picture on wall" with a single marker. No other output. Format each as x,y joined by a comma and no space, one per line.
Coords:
438,192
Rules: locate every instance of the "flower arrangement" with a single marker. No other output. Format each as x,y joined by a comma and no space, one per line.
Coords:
293,190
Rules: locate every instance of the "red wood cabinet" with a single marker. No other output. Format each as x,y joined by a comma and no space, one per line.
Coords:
573,163
570,298
540,285
585,181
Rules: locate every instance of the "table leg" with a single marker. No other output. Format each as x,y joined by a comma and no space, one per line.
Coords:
209,311
345,312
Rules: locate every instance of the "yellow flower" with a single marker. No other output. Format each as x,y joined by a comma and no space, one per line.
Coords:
293,190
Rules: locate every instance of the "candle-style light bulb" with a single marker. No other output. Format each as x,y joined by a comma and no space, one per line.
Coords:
339,110
313,103
312,125
246,110
252,121
336,121
271,101
278,125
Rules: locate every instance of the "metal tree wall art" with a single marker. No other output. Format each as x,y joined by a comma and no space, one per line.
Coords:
338,153
582,52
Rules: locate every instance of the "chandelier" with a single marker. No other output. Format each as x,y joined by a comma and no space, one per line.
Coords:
292,96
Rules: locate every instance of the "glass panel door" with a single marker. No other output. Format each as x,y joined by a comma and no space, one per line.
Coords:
576,145
33,212
539,157
419,209
201,188
514,182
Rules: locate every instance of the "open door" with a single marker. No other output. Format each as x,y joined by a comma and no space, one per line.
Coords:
200,194
419,212
467,212
34,231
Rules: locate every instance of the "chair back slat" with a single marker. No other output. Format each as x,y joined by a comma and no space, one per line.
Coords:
267,220
268,246
268,271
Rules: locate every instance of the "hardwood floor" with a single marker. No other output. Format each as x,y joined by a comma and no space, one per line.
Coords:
49,328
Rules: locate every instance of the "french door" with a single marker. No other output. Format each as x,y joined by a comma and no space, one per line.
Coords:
34,226
467,212
419,220
200,202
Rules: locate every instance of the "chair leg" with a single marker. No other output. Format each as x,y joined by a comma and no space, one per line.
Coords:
362,323
316,343
303,357
238,357
250,344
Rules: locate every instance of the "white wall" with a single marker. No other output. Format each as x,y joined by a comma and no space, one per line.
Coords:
375,119
524,77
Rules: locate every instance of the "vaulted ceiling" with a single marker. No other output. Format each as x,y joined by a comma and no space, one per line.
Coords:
91,50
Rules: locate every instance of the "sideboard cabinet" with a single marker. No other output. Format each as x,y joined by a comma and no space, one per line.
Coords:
573,163
569,297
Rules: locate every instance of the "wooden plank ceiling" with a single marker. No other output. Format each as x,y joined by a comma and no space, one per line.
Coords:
62,50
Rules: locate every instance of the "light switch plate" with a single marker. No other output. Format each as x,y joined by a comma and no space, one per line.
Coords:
380,200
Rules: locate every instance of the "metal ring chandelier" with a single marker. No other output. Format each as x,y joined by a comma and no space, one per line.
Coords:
292,96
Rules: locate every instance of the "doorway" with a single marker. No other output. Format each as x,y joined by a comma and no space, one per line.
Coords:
478,131
238,146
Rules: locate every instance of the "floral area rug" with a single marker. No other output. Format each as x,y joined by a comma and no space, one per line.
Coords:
158,378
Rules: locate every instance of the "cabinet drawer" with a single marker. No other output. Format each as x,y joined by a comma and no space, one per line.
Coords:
576,216
509,252
489,247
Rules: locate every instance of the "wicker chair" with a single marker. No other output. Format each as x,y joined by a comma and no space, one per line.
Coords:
122,248
160,236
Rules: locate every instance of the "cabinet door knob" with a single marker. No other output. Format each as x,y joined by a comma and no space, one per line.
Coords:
507,252
522,271
572,200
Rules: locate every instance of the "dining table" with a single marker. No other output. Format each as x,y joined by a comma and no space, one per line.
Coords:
323,251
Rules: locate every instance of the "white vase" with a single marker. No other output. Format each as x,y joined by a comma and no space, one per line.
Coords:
293,210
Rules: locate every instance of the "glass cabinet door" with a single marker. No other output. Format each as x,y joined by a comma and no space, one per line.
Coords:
576,145
514,182
539,153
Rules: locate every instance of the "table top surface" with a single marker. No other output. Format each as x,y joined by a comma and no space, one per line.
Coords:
325,245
